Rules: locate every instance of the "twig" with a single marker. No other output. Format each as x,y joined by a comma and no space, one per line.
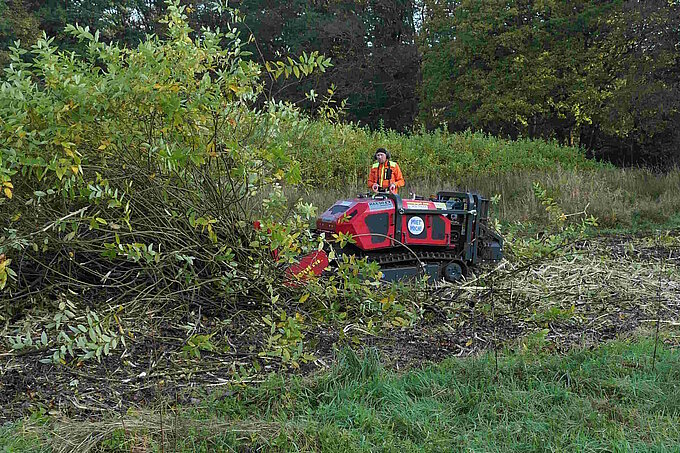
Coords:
52,224
658,320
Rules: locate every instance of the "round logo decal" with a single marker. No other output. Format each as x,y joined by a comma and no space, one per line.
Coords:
416,225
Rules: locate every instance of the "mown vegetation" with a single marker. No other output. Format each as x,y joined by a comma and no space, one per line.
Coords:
611,398
130,266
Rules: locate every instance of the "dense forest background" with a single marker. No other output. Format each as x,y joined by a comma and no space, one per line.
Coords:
603,75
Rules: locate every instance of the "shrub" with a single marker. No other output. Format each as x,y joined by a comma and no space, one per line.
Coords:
131,178
134,175
339,155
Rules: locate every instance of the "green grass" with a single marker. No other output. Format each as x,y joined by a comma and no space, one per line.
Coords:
606,399
13,438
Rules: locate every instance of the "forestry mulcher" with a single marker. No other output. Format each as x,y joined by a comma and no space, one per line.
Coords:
441,237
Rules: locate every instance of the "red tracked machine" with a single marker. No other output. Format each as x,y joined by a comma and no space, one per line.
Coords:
441,236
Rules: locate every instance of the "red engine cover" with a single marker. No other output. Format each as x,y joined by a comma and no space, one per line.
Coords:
371,222
425,229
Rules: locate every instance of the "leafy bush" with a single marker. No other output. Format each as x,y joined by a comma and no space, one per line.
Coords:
558,237
132,178
339,155
134,175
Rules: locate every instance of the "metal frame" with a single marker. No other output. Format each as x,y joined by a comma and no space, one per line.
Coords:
470,248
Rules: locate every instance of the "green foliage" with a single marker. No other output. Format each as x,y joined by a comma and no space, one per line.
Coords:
516,67
580,72
536,343
555,214
339,156
286,339
304,66
558,237
142,111
124,22
196,344
6,271
132,176
376,61
17,23
553,314
70,334
123,165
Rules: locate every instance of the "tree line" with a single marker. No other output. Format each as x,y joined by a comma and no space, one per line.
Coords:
603,75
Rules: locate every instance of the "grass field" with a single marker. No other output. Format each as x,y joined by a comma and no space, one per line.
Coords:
335,160
618,198
611,398
143,312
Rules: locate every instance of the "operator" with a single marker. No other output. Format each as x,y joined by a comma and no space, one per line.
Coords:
385,174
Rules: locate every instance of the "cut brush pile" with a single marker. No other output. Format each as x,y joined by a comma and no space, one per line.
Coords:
599,289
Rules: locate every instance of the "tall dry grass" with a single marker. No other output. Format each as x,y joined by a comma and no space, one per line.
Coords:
616,197
335,159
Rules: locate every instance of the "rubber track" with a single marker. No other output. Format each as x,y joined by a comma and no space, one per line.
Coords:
396,259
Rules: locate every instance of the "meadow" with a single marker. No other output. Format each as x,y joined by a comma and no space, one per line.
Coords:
335,159
134,285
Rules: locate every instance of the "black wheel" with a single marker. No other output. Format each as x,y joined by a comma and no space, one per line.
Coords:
454,271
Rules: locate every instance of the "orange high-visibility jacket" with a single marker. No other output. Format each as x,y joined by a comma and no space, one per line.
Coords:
378,174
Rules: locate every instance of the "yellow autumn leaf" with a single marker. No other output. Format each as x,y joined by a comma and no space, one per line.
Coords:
8,192
8,184
304,297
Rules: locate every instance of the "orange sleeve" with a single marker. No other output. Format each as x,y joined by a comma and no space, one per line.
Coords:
372,177
398,177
